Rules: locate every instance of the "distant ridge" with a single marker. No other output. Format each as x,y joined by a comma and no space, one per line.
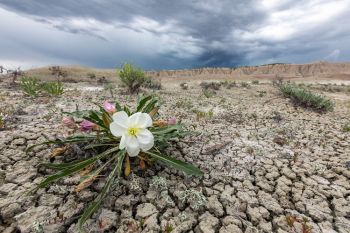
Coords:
320,68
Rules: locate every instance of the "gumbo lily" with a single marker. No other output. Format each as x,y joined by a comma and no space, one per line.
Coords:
133,131
107,158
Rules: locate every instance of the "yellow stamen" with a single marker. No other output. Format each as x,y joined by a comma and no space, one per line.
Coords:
133,131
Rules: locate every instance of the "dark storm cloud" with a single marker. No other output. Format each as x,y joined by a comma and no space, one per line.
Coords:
176,34
209,20
219,58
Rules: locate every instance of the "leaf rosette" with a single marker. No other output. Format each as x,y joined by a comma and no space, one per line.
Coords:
120,138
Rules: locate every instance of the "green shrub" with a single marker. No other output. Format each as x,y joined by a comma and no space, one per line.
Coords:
184,103
2,121
132,77
245,85
203,114
231,84
346,127
152,83
306,98
255,82
33,87
30,86
91,76
208,93
109,86
53,88
228,84
184,86
168,228
211,85
262,93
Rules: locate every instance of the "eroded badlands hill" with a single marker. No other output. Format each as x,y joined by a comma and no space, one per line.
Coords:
320,70
288,70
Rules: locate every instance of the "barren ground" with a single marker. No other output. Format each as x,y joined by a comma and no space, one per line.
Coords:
265,162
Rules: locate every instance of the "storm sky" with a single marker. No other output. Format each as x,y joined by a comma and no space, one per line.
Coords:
172,34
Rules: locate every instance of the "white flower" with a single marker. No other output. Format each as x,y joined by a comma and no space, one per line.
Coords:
133,132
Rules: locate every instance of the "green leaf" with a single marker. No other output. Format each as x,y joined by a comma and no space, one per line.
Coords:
120,161
168,129
77,163
105,190
178,164
126,109
142,102
150,105
73,139
95,118
103,112
61,166
72,168
118,107
90,146
78,114
163,130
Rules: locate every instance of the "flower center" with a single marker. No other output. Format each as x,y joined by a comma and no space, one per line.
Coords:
133,131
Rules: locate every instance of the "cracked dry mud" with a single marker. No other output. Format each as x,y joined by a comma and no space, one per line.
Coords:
265,161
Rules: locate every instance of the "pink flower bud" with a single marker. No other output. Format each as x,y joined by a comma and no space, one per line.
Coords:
172,121
69,122
110,108
86,125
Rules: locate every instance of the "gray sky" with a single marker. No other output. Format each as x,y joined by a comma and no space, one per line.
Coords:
168,34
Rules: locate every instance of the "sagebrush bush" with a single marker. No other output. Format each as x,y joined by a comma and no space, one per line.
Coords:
211,85
229,85
184,86
202,114
53,88
132,77
306,98
245,85
91,76
278,81
208,93
346,127
30,86
152,83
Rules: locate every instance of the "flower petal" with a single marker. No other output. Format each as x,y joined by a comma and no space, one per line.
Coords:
132,146
121,118
145,136
122,143
147,146
116,129
143,120
145,139
119,124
